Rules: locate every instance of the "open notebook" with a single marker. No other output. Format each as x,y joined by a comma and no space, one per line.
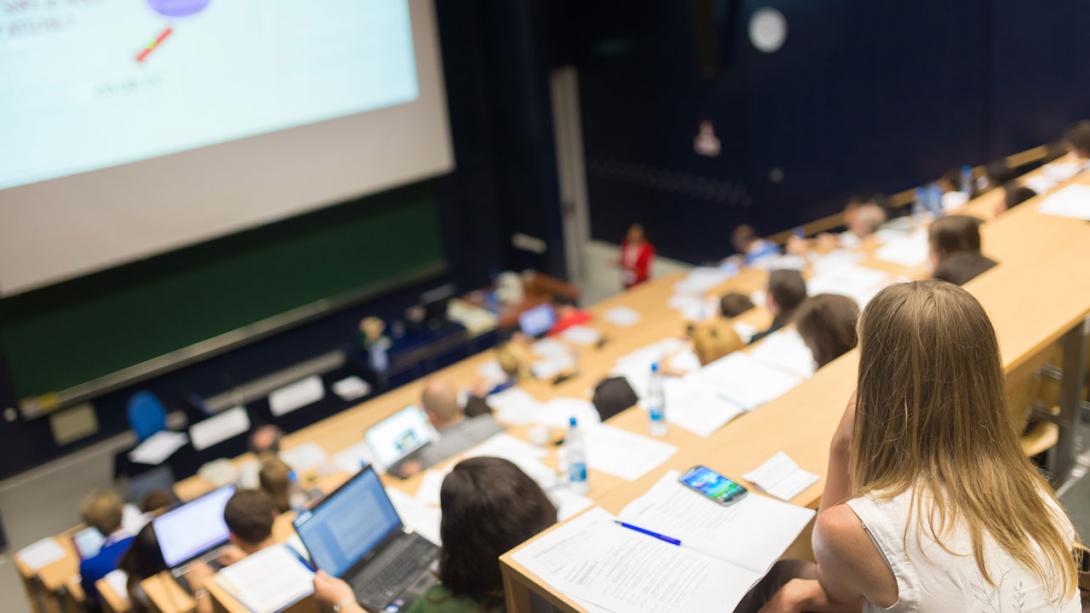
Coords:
724,551
268,581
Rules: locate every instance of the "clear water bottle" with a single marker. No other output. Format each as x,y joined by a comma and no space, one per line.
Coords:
967,180
575,453
656,403
297,498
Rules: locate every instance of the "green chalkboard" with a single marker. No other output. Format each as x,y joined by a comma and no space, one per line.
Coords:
77,331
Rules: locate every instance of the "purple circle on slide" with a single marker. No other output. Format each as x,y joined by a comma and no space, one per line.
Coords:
178,8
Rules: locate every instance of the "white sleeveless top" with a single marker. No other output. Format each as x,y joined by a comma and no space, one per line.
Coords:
929,579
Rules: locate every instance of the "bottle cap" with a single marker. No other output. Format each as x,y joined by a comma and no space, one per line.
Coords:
654,366
572,422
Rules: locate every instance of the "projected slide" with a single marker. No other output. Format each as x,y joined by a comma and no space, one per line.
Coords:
90,84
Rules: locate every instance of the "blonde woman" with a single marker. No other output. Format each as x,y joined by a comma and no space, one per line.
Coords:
929,503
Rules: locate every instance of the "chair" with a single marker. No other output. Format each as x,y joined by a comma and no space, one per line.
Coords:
147,415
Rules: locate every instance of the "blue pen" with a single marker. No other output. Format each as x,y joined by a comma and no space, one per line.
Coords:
661,537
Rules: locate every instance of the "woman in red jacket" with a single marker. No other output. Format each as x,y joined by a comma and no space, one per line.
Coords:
636,257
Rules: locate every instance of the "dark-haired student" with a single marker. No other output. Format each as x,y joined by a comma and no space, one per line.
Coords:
953,234
826,324
786,291
960,268
733,304
489,506
1014,194
141,561
929,502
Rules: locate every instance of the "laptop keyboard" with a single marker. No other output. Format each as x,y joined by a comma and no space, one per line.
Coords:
394,571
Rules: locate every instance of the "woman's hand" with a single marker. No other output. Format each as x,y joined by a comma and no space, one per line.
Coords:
331,590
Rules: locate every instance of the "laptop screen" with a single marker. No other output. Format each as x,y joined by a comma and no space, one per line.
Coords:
193,528
538,320
348,524
398,435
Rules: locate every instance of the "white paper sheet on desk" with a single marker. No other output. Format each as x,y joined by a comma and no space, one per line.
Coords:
681,362
41,553
744,380
267,581
781,262
581,335
837,258
514,406
758,297
622,317
781,477
249,474
304,457
598,563
1060,171
351,388
567,502
697,407
423,519
636,366
155,449
856,282
352,459
1071,201
787,351
218,428
550,367
556,412
492,373
751,533
953,200
909,251
296,396
550,347
744,330
690,307
118,580
505,446
700,280
624,454
1041,183
430,486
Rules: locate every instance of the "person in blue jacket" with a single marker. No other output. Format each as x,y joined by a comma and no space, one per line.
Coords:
102,510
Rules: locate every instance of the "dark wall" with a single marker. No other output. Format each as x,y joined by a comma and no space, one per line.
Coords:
863,97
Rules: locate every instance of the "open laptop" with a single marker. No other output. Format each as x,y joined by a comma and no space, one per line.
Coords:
193,531
356,534
400,435
537,322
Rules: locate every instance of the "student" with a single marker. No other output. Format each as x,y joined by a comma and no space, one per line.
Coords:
953,234
249,516
266,440
733,304
142,560
568,316
274,478
456,432
929,502
960,268
1077,139
489,506
102,510
863,217
826,324
636,257
750,248
157,501
786,291
1014,194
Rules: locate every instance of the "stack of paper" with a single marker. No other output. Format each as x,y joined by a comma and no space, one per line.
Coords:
622,317
744,380
1071,201
624,454
423,519
155,449
581,335
787,351
41,553
219,428
267,581
781,477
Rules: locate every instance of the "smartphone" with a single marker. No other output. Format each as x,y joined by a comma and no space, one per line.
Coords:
713,485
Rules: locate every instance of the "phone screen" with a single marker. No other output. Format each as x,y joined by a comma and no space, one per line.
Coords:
712,484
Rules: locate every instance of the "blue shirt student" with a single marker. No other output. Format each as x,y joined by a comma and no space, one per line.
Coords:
103,563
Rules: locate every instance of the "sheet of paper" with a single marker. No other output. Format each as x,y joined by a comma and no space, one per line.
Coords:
855,282
781,477
691,307
744,380
422,518
351,388
837,258
155,449
491,373
781,262
758,298
910,251
304,457
505,446
622,317
624,454
593,560
581,335
132,519
352,459
697,407
787,351
219,428
514,406
682,362
118,580
556,412
953,200
41,553
550,347
636,366
744,330
550,367
1071,201
267,581
1042,184
296,396
567,502
700,280
430,486
1060,171
751,533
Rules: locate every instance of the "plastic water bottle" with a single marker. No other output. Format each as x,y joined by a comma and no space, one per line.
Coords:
967,180
297,498
656,403
576,455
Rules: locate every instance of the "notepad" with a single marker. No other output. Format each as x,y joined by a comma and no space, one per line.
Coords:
781,477
746,381
622,317
267,581
41,553
624,454
1071,201
155,449
787,351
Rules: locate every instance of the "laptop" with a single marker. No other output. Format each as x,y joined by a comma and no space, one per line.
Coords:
356,534
394,439
193,531
537,322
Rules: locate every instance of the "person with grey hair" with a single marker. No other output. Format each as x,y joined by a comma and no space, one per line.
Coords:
457,432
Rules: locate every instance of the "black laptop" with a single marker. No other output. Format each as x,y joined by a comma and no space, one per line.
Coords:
356,534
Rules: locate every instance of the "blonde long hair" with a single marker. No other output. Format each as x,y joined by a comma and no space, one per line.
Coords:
931,416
